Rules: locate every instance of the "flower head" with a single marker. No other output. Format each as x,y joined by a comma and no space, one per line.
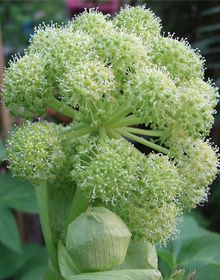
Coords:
35,153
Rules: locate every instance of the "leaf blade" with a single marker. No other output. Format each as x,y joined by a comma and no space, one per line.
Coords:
9,235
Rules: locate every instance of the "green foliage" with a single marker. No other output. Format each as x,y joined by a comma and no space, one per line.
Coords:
2,150
30,263
9,235
18,195
17,21
195,249
15,257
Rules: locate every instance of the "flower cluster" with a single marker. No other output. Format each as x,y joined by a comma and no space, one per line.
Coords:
35,153
108,75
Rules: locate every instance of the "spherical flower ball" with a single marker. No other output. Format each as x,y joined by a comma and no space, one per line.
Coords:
153,95
87,86
138,21
25,86
92,22
178,57
35,152
159,180
150,224
106,169
152,209
59,46
124,52
194,115
197,162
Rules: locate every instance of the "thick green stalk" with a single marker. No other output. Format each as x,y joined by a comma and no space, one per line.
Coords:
113,134
130,120
61,108
118,115
79,132
42,201
79,204
102,132
143,141
70,128
155,133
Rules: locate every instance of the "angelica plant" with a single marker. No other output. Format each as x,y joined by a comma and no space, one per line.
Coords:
95,189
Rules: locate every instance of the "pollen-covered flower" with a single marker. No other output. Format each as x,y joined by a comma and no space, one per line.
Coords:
139,21
178,57
152,94
26,86
35,153
88,85
92,22
106,169
197,163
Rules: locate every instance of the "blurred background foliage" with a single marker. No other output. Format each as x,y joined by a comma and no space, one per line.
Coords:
22,255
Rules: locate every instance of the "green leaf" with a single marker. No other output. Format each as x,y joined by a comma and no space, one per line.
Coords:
11,261
195,249
36,265
2,150
9,234
211,11
36,273
124,274
209,28
66,265
17,194
139,256
51,275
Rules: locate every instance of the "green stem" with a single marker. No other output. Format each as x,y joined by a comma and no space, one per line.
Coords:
156,133
130,120
113,134
79,204
102,132
61,108
70,128
118,115
144,142
42,201
85,129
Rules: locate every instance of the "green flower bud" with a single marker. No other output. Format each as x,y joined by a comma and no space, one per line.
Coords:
97,240
139,21
35,152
